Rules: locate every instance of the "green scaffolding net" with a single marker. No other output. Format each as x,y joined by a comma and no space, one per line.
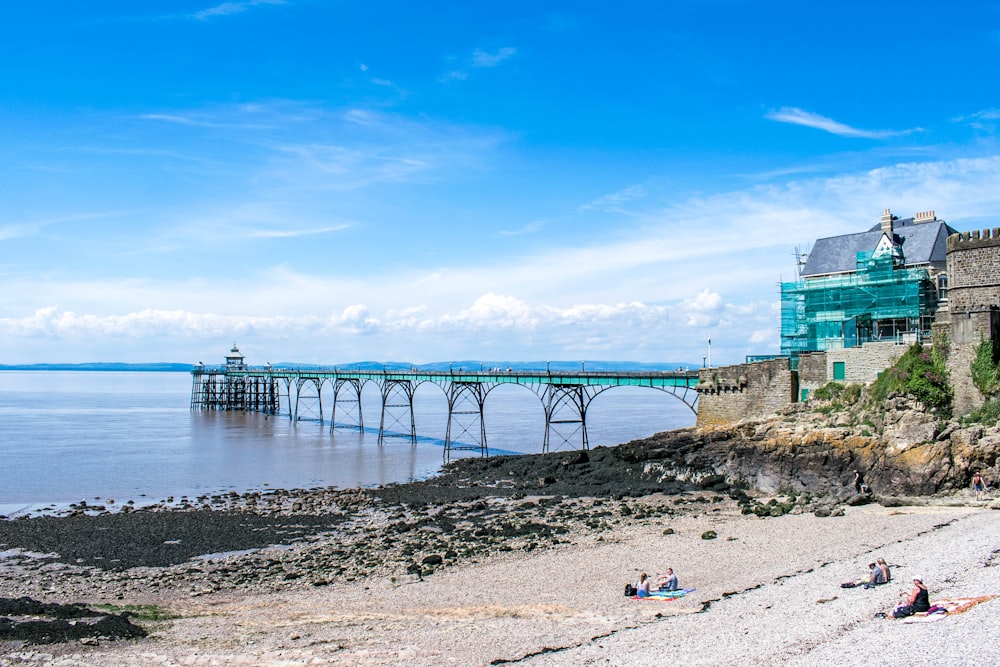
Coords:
881,300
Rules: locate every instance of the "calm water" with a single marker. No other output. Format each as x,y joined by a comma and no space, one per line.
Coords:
66,436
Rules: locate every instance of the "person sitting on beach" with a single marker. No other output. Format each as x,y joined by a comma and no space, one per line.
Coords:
642,586
916,602
885,570
877,575
668,582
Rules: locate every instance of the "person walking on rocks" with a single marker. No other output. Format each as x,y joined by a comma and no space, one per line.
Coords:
978,485
859,483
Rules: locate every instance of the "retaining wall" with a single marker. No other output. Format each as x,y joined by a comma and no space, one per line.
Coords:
731,393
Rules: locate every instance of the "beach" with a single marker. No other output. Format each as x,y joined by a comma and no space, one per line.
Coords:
766,592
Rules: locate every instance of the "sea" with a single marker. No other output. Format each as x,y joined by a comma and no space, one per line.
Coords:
67,436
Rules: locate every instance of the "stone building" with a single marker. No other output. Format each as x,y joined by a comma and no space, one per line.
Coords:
883,284
861,300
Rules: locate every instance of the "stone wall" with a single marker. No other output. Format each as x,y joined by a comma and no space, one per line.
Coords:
973,271
968,330
863,364
973,298
812,372
731,393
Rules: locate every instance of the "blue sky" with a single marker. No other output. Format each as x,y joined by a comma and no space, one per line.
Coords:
328,182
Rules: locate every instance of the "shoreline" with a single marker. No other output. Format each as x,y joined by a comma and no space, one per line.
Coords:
495,560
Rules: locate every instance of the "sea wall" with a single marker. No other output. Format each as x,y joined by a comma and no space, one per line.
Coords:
745,391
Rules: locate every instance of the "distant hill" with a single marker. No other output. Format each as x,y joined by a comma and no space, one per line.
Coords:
161,367
467,365
475,364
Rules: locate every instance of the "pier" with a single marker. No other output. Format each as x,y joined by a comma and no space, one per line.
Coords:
565,396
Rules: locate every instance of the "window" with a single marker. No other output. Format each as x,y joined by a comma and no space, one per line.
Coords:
839,370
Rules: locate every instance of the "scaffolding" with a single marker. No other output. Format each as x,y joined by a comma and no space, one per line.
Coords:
881,300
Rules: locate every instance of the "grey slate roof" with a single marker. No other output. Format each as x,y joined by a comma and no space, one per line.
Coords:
922,243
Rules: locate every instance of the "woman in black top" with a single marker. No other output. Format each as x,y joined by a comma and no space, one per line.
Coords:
918,601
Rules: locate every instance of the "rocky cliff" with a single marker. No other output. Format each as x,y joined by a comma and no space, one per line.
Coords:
902,449
809,449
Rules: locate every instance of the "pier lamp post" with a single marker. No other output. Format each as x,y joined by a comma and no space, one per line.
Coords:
581,366
703,357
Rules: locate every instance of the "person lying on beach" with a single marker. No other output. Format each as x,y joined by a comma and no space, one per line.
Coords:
667,582
916,602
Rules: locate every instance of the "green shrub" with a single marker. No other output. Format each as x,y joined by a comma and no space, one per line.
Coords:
828,391
920,374
835,391
986,369
851,394
988,414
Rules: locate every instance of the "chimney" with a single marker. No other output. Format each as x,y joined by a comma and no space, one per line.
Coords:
924,216
886,221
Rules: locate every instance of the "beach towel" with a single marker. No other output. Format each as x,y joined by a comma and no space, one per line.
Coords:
946,607
666,595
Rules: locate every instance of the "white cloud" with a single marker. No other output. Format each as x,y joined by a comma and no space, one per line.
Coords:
482,58
797,116
231,8
703,309
530,228
354,319
986,114
289,233
614,202
981,120
707,263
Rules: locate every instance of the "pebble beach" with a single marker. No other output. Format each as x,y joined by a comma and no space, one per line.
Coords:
767,593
